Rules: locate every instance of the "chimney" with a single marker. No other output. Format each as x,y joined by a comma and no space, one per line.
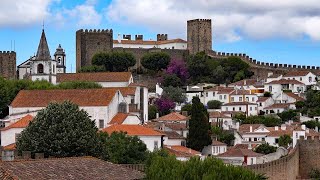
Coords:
190,150
139,37
157,115
162,127
303,127
283,127
317,129
307,131
245,82
276,128
237,126
250,128
119,38
26,154
249,146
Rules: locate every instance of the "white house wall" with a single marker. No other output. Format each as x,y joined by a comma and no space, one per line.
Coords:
9,136
150,140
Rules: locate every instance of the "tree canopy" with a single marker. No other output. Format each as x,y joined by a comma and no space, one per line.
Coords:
174,93
199,126
284,140
60,130
120,148
214,104
166,166
156,61
265,149
114,61
268,121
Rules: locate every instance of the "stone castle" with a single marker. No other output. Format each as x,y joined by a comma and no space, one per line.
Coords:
8,64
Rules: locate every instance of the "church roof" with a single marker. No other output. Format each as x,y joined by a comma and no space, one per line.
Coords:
43,52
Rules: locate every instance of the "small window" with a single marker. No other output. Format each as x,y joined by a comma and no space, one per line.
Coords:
250,139
251,160
240,99
225,96
255,139
172,47
260,104
207,94
297,135
220,97
250,108
233,108
155,145
252,99
54,68
263,139
310,79
16,136
101,123
247,99
226,108
232,99
59,60
239,108
270,88
300,78
183,143
277,140
132,100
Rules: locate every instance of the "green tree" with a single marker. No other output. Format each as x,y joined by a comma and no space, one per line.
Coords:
214,104
174,93
123,149
268,121
152,112
311,124
284,140
60,130
115,61
219,75
187,107
288,115
156,61
93,68
171,80
198,67
265,149
300,104
199,127
223,136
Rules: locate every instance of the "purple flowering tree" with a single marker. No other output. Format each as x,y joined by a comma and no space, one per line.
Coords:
179,68
164,105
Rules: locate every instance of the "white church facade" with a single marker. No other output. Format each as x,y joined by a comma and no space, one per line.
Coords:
42,66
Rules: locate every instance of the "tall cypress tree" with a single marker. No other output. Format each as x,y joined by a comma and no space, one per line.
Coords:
199,126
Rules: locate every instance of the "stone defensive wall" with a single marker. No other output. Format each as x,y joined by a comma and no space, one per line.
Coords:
8,64
296,165
260,68
95,31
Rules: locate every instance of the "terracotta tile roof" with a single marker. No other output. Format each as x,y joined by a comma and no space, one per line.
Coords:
295,96
238,104
67,168
218,88
217,114
241,92
225,91
278,106
312,133
125,91
10,147
152,124
119,118
240,153
244,82
244,146
182,151
246,127
218,143
285,81
22,123
132,130
274,76
81,97
149,42
296,73
95,77
263,99
137,85
174,116
177,126
172,135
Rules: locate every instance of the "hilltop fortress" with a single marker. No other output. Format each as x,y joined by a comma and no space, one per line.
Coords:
199,38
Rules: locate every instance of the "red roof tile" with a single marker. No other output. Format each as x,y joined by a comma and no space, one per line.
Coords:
182,151
132,130
177,126
125,91
22,123
217,114
118,118
10,147
295,96
278,106
263,99
225,91
240,92
240,153
95,77
174,116
67,168
81,97
172,135
243,128
296,73
218,143
238,104
218,88
285,81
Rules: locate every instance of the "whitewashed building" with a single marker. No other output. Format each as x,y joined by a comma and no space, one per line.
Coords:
250,109
305,77
278,86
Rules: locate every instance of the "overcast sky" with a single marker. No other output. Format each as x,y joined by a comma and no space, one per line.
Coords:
285,31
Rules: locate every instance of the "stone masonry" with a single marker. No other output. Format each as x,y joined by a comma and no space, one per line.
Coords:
8,64
199,35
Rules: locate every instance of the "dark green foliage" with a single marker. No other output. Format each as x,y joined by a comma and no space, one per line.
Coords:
202,68
314,173
93,68
288,115
152,111
60,130
223,136
214,104
155,61
122,149
187,107
284,140
167,167
199,126
240,117
265,149
78,85
268,121
267,94
174,93
115,61
312,124
171,80
312,104
300,104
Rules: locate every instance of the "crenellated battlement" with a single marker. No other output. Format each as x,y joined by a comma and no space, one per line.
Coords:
7,52
199,20
267,65
109,31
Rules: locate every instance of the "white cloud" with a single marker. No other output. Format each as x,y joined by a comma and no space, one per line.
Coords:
23,12
232,19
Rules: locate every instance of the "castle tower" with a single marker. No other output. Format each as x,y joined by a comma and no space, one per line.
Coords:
42,67
199,35
90,42
8,64
60,57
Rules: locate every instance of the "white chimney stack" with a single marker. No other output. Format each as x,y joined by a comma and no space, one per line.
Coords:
250,128
249,146
303,127
276,128
283,127
157,115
